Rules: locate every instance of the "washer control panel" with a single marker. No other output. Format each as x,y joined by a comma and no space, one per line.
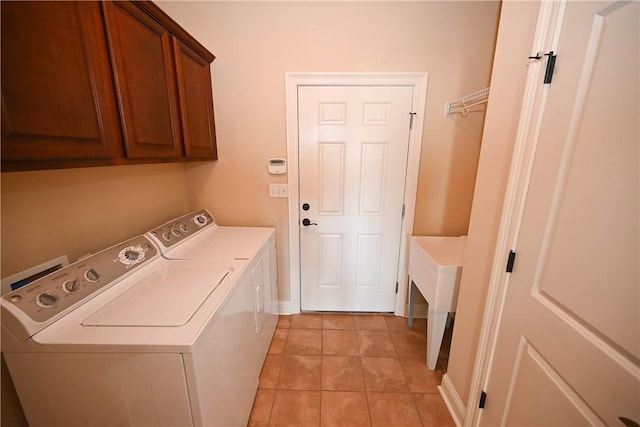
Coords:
43,299
179,229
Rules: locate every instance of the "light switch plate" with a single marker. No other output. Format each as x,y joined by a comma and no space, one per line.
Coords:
278,190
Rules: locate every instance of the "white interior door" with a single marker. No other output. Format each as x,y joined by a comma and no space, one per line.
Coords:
568,345
353,144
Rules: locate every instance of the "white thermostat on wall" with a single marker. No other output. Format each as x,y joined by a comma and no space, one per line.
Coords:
277,166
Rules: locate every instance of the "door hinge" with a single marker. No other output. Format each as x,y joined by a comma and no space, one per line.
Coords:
403,210
483,399
411,116
510,261
396,287
551,64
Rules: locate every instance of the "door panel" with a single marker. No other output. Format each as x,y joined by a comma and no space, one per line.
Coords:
331,169
574,295
538,381
353,145
374,158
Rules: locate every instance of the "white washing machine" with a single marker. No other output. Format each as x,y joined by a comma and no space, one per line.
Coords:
127,337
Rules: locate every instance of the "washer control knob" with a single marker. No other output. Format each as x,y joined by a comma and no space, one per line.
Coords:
92,275
131,255
71,286
184,228
47,299
167,236
176,232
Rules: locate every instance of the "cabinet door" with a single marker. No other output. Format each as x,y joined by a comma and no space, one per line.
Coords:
196,103
141,52
58,101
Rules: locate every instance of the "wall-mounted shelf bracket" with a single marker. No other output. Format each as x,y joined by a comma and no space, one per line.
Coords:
464,104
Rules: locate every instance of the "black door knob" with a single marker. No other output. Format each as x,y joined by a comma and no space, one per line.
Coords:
305,206
306,222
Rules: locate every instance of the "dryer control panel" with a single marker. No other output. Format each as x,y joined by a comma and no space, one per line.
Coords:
175,231
34,306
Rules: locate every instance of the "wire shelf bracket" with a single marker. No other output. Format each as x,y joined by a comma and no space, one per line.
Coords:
464,104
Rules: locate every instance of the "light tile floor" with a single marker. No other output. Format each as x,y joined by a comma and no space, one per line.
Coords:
338,370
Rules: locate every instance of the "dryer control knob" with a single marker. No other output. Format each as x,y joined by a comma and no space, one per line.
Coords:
167,236
200,220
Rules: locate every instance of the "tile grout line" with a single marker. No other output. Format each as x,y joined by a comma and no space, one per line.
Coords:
321,366
275,387
364,382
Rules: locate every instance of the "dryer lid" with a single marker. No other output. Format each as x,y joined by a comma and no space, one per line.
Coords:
167,296
224,243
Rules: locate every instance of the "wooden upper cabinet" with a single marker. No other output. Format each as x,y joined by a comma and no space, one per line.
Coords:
196,102
141,51
58,104
163,82
98,83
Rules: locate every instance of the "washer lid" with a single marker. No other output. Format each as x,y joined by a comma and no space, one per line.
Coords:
166,296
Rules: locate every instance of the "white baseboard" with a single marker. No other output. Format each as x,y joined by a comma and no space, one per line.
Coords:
275,307
419,310
452,400
284,307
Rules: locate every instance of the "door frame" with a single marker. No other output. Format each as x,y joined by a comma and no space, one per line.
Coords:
292,81
547,35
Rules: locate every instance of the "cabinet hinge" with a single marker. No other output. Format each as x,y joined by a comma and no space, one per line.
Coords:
483,399
411,116
510,261
396,287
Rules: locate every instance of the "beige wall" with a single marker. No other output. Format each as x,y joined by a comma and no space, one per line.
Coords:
46,214
256,43
515,38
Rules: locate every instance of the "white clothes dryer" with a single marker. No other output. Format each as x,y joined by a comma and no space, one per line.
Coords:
196,236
